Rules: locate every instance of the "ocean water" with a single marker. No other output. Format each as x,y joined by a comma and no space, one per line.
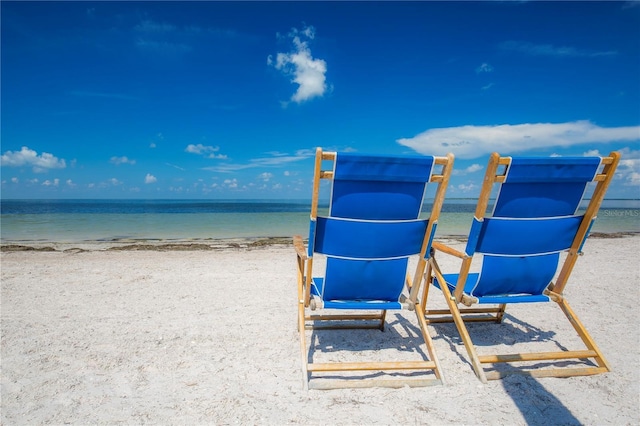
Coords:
166,220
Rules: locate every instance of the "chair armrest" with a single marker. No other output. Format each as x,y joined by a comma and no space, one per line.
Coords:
298,244
448,250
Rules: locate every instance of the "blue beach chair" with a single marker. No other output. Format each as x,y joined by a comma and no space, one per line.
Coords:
372,228
535,219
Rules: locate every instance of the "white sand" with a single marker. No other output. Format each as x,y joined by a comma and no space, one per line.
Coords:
209,337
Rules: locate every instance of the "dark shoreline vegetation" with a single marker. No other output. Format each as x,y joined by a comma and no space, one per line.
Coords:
211,245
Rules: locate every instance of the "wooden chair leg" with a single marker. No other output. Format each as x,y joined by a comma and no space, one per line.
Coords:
462,329
428,280
582,332
303,344
428,341
500,313
382,319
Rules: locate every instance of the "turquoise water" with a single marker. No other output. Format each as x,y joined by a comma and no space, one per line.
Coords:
115,220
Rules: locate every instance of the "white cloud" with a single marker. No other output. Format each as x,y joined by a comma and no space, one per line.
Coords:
471,169
149,178
477,141
474,168
208,151
29,157
484,68
467,188
175,167
54,182
265,176
633,179
199,149
629,167
231,183
14,180
122,160
551,50
148,26
305,71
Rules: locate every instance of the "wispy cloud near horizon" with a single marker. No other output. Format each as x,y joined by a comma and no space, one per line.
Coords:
276,159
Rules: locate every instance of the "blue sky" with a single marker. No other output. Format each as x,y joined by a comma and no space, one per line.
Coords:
228,100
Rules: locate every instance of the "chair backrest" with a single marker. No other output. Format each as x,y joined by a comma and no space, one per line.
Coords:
535,218
373,225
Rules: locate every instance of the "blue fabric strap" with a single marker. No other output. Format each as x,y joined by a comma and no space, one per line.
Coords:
502,276
472,279
312,237
520,237
377,200
364,280
427,252
368,240
544,186
474,236
380,168
379,188
586,235
552,169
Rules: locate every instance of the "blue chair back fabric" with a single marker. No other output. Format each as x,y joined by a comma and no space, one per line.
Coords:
379,188
372,228
534,219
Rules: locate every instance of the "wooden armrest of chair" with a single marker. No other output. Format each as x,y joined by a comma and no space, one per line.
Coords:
298,244
448,250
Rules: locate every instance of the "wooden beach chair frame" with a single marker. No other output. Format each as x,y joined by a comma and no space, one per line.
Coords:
308,321
496,171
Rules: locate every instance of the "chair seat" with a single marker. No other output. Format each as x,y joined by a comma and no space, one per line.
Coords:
472,279
317,285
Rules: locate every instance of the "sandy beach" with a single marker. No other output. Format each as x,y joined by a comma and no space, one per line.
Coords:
172,334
